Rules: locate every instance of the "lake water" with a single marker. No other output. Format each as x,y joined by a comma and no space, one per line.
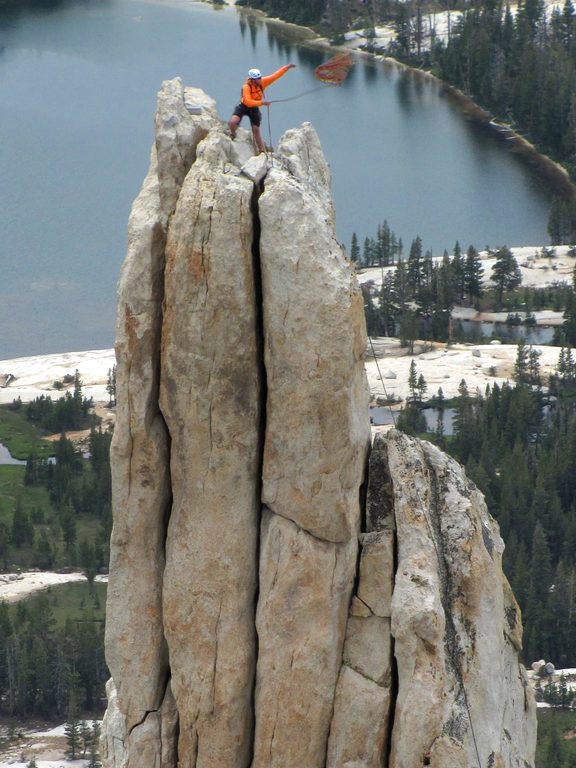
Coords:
78,84
382,415
508,333
7,458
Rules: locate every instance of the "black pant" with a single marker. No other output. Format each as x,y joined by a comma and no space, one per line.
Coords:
252,113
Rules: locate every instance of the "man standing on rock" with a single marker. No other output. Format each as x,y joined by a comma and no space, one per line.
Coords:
252,99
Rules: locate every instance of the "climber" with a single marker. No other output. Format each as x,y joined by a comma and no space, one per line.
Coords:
251,99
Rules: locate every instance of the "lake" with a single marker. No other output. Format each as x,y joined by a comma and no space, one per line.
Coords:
78,84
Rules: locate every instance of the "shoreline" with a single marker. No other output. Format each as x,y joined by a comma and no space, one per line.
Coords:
554,174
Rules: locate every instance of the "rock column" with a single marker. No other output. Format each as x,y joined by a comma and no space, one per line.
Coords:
210,398
315,449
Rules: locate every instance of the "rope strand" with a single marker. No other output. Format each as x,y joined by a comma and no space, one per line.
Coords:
270,134
382,380
299,96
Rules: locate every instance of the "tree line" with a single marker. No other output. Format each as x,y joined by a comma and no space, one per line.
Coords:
78,488
418,291
72,411
521,66
49,671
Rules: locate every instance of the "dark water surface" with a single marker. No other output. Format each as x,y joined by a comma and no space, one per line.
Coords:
78,84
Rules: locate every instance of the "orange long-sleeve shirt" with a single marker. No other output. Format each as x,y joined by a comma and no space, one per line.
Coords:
253,90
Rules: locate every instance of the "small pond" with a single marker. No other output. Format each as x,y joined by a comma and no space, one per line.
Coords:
7,458
487,329
382,415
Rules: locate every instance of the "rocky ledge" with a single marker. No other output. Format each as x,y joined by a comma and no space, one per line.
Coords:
282,594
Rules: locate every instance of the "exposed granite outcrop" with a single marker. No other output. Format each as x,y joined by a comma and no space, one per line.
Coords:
276,599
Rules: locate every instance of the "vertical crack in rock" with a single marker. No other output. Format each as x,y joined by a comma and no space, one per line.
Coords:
211,401
259,326
455,653
317,436
360,729
461,719
380,490
385,496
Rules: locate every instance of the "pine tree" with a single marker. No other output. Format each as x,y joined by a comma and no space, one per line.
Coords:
401,289
386,244
561,364
521,364
473,274
463,424
537,601
458,271
534,367
370,313
354,249
439,430
5,540
413,380
72,727
562,218
111,385
85,737
569,325
403,28
73,738
388,306
555,749
415,266
22,528
409,330
505,273
93,753
421,386
368,253
568,23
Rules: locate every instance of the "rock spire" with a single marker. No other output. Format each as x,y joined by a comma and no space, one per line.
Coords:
282,594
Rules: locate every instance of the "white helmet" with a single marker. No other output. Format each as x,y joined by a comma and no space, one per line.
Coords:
254,74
